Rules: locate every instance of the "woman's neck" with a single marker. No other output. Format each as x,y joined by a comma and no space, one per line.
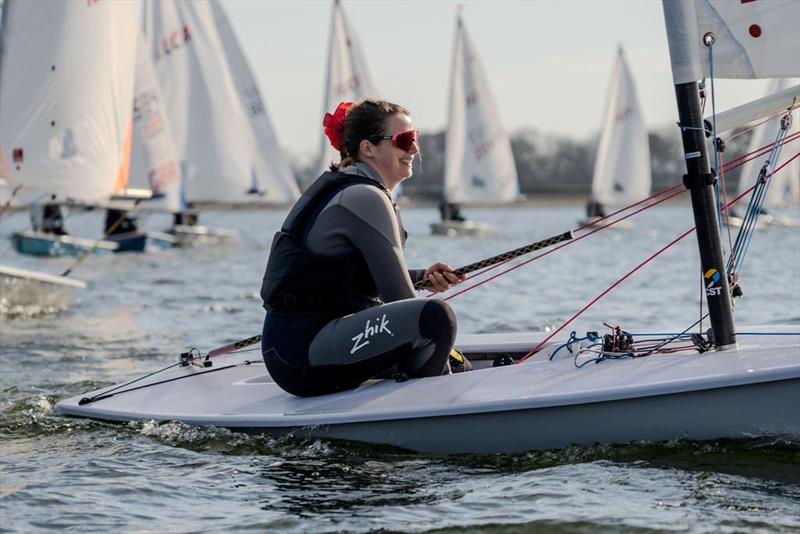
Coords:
373,173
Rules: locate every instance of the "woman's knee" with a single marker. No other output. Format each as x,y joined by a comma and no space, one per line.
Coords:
437,321
438,324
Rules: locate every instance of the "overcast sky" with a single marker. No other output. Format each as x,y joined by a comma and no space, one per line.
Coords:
548,61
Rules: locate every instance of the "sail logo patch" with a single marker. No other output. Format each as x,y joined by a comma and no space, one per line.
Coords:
173,41
712,278
361,339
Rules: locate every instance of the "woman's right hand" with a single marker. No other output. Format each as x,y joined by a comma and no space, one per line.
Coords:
442,277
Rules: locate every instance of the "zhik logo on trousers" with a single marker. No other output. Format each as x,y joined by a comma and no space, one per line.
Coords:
361,339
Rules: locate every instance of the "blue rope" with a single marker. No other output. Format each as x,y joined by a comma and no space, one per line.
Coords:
755,206
737,333
573,339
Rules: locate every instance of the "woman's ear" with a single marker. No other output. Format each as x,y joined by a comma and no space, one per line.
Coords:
366,149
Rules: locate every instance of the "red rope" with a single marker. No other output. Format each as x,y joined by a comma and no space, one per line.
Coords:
766,149
642,264
7,204
572,241
750,189
593,223
604,293
655,195
782,113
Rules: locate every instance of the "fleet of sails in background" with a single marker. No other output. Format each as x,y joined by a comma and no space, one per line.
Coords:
170,105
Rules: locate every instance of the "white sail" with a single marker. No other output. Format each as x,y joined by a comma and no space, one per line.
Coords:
66,87
622,168
479,165
154,159
271,176
752,38
785,187
347,80
213,133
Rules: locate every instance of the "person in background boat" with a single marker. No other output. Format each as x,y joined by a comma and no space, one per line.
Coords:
450,211
184,218
48,218
340,301
120,222
594,209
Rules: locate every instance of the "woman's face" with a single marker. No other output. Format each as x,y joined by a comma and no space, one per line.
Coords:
392,163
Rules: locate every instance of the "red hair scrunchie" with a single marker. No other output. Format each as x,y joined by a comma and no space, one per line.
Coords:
334,124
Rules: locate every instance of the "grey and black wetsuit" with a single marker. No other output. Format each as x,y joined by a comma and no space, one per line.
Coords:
340,300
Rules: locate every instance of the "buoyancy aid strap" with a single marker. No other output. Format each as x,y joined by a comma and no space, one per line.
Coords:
320,194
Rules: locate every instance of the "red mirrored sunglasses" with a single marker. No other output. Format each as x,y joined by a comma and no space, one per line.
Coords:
402,140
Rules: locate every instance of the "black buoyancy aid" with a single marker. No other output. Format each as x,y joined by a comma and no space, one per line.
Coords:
302,282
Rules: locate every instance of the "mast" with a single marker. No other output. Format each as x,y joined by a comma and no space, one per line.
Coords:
699,180
3,25
680,21
322,165
454,71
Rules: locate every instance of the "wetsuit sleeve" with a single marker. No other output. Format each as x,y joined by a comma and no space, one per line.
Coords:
416,275
364,216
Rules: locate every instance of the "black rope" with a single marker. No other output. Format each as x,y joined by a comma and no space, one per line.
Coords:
108,394
505,256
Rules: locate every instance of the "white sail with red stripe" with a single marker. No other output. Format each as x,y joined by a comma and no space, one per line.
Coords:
622,167
154,159
479,165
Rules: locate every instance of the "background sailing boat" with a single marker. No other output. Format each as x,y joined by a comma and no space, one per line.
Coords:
784,189
222,132
479,165
66,87
347,80
622,167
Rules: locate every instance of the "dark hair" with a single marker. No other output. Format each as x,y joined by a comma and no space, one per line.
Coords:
366,119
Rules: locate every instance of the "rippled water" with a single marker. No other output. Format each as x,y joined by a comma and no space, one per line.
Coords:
140,311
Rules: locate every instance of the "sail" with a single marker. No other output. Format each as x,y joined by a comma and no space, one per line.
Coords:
213,134
752,38
479,165
66,87
622,167
154,159
347,80
785,187
272,178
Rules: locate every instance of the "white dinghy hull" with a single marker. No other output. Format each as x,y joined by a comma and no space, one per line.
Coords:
752,391
25,291
461,228
193,235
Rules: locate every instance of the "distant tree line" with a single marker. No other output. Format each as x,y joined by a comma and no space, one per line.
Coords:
550,164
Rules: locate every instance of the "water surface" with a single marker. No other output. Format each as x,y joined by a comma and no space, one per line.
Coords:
141,311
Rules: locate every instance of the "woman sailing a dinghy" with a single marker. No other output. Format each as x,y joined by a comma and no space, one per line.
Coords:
340,301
